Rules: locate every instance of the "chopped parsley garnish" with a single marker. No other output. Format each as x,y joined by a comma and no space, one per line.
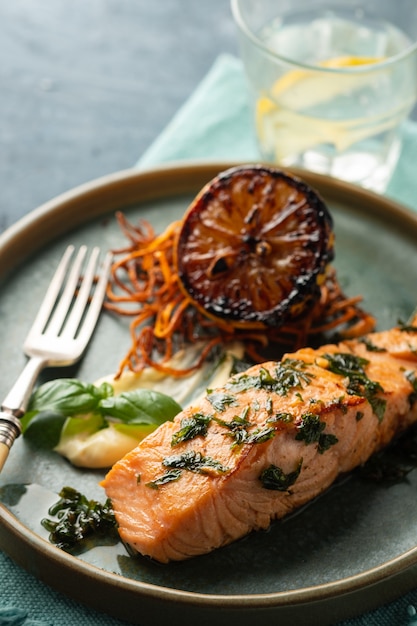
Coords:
370,346
286,418
347,364
275,479
191,427
289,374
311,431
260,436
352,366
194,462
191,461
169,477
405,327
237,427
243,383
220,400
378,404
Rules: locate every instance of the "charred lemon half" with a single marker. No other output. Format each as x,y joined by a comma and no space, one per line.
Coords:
253,247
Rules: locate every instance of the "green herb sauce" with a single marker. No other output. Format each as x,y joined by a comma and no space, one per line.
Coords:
79,519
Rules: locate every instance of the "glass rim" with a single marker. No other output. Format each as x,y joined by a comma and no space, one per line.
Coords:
363,68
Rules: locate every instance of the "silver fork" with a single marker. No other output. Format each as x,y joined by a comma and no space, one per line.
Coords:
60,333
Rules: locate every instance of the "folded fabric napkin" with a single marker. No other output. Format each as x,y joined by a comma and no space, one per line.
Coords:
214,124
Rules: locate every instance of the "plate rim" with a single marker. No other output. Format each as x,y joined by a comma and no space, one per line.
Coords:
50,214
98,198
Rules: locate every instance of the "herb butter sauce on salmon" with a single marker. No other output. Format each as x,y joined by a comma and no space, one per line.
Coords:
270,440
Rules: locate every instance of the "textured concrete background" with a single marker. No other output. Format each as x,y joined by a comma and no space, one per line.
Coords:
87,85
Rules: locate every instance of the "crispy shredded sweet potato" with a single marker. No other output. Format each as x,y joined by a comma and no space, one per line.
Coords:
144,286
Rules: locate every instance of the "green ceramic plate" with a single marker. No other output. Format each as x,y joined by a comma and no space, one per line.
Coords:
350,550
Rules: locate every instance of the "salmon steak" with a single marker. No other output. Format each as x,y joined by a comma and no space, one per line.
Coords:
270,440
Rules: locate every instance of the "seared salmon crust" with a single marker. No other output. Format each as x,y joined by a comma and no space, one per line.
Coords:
270,440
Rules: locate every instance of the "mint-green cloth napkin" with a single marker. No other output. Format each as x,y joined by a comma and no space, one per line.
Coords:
214,124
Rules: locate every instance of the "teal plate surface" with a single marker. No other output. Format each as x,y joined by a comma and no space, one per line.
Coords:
347,552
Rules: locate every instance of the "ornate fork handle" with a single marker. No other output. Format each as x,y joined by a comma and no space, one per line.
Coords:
15,404
10,429
60,333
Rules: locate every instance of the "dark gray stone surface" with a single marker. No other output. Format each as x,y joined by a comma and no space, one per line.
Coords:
86,86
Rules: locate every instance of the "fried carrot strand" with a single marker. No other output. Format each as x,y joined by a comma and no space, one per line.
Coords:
144,285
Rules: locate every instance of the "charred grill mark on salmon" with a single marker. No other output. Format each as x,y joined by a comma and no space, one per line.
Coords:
270,440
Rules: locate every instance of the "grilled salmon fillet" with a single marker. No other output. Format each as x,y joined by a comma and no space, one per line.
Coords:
270,440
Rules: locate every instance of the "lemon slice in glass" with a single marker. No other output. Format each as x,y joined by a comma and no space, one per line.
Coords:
299,112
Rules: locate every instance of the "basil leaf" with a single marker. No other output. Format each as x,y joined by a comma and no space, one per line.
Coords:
142,406
86,425
137,431
44,429
68,396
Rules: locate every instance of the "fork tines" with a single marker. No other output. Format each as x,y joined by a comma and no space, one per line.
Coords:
74,297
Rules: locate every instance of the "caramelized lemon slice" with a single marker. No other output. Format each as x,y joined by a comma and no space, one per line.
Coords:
253,246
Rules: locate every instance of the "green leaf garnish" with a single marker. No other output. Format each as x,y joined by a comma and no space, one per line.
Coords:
194,462
289,374
220,400
352,366
406,327
370,346
68,396
260,436
286,418
74,426
44,431
311,431
275,479
68,407
169,477
191,427
141,406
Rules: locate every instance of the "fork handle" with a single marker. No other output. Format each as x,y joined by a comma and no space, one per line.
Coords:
10,429
18,397
15,404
